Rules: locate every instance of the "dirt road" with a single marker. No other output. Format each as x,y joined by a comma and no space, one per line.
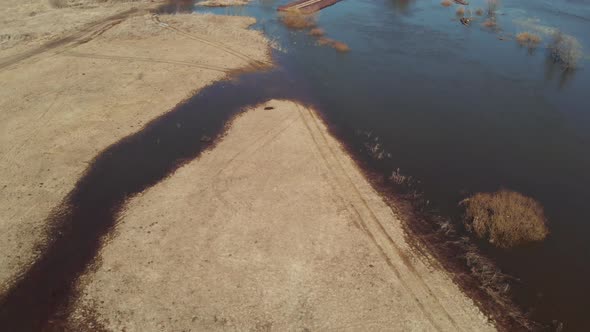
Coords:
273,229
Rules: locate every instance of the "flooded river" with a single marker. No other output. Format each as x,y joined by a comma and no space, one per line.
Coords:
458,108
463,109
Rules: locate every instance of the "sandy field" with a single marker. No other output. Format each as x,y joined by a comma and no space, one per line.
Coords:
274,229
68,93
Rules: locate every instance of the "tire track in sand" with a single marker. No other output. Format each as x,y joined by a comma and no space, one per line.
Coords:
86,34
369,222
257,64
252,146
142,59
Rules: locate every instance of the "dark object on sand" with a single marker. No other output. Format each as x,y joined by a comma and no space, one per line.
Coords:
465,21
267,108
462,2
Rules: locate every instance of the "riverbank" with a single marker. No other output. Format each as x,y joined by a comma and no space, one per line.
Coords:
73,91
274,228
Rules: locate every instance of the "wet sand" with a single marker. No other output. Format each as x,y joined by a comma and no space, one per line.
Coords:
273,229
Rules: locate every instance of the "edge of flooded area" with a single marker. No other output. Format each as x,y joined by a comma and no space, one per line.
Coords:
419,226
444,251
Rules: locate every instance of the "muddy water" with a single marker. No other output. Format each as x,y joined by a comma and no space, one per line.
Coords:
462,110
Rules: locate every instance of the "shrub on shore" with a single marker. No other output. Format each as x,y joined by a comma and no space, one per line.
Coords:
505,218
528,39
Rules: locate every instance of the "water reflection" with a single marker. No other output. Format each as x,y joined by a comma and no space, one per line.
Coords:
555,71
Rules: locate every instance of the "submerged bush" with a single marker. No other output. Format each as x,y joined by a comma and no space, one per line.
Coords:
565,50
316,32
460,11
295,19
489,23
505,218
446,3
528,39
338,46
492,7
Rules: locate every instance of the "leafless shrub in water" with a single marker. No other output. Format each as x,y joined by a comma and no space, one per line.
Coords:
296,19
446,3
492,7
325,41
460,11
528,39
489,23
338,46
505,218
316,32
565,50
398,178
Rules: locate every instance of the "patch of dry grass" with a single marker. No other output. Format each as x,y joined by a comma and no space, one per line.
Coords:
295,19
528,39
446,3
316,32
505,218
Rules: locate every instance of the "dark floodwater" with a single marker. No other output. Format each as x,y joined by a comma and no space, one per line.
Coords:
464,111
